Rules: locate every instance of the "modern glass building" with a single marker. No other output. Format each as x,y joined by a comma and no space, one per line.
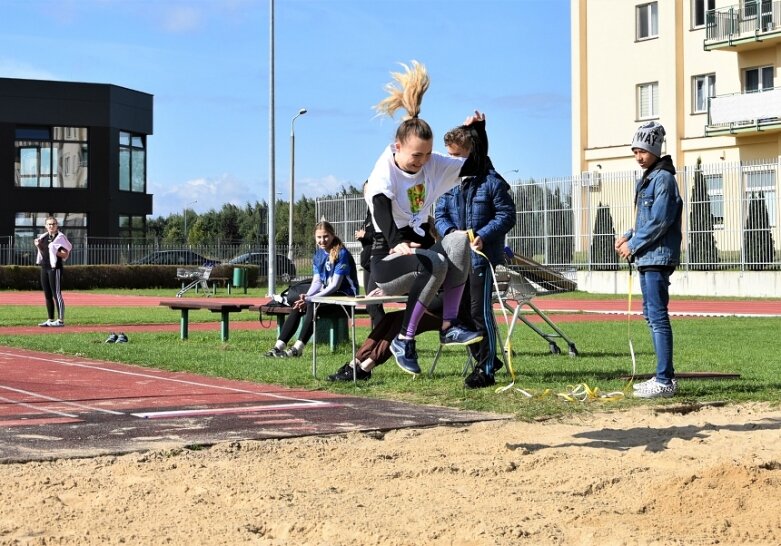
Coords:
77,151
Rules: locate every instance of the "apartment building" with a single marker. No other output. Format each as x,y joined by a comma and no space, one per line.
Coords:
705,69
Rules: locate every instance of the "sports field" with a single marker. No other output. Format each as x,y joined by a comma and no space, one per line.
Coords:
692,470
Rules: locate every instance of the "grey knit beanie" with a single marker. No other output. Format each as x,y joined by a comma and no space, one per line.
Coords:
649,137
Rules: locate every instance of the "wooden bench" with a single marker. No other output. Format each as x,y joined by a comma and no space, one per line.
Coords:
224,281
331,327
214,281
225,309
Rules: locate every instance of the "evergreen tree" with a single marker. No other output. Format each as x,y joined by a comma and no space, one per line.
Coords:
702,253
252,224
228,223
758,242
561,244
603,253
529,220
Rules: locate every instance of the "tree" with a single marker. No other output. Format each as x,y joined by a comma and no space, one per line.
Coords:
603,253
561,244
253,223
228,223
702,253
529,221
758,242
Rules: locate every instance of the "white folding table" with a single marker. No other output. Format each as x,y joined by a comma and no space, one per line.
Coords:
348,305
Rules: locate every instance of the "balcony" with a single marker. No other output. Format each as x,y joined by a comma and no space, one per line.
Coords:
744,113
751,25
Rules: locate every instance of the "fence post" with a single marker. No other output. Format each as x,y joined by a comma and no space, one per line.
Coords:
545,246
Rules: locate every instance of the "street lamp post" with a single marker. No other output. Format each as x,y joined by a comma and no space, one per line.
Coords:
185,220
292,183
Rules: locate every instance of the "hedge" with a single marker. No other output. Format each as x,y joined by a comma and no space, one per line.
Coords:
86,277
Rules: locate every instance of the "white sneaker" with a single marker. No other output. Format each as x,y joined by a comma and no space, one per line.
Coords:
643,384
57,323
293,353
654,389
47,323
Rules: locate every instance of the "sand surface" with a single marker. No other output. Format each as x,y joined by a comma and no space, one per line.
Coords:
709,476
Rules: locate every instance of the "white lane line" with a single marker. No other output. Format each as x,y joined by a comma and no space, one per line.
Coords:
169,379
60,401
36,408
217,411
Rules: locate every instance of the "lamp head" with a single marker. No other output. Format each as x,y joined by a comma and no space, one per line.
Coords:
302,112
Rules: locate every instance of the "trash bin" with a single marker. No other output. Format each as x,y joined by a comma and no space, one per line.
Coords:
240,278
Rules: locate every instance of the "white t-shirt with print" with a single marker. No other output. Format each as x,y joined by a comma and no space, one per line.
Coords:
412,195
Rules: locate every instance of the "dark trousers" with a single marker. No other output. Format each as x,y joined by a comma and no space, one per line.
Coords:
376,312
481,309
292,321
51,282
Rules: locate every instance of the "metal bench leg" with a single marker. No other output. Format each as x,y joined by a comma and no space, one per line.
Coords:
224,326
434,364
183,323
314,340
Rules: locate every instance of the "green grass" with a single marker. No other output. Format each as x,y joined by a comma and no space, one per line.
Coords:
748,346
260,293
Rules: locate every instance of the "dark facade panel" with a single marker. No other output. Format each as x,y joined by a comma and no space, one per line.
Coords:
104,110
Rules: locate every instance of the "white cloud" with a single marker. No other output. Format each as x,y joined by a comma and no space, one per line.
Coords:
10,68
213,193
316,187
208,194
182,19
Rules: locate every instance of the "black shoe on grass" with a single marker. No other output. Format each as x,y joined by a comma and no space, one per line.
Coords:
478,379
345,373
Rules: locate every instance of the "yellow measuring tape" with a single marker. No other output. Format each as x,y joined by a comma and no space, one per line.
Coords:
577,393
628,324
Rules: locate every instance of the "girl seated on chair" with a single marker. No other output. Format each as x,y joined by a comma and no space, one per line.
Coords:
335,274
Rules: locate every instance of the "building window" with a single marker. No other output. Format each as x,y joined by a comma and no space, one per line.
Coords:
132,162
132,227
648,100
704,87
714,184
28,225
51,157
762,183
647,21
758,79
700,8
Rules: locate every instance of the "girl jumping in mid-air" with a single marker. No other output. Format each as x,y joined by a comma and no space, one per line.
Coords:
406,181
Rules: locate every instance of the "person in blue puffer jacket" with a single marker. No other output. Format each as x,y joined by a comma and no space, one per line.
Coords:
654,245
482,204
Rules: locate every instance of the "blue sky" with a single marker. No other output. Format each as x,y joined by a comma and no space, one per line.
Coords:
207,64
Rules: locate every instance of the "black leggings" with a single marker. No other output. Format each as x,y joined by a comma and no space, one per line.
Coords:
420,275
292,321
51,282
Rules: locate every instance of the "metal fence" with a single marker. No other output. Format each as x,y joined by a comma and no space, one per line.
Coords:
746,19
730,221
119,251
730,217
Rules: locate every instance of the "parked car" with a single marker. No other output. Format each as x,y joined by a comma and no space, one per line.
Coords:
173,257
260,259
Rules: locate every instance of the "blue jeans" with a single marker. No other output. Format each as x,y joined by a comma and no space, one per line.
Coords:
656,296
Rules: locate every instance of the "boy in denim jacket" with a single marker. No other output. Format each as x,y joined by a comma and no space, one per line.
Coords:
654,245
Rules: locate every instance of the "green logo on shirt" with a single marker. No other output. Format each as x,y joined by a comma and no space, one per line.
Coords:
417,196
